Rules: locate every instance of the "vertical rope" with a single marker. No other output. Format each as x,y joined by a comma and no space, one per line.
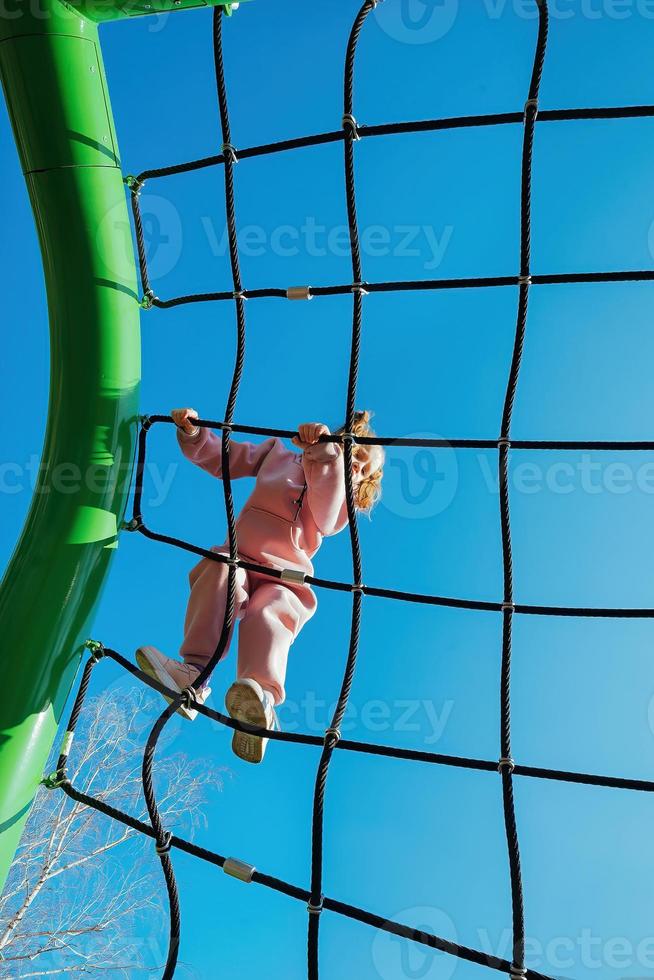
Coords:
163,838
506,765
332,734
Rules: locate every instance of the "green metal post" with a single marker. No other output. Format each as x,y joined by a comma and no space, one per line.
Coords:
55,86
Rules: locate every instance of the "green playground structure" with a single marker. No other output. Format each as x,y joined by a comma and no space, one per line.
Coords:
56,91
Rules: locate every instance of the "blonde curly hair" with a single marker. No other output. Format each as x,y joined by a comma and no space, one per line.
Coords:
368,492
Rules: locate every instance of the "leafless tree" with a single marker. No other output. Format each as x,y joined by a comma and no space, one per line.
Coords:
85,893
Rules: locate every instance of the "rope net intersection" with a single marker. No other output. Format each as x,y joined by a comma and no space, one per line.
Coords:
332,741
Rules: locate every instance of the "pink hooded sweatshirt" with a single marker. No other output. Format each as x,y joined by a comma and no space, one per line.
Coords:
298,498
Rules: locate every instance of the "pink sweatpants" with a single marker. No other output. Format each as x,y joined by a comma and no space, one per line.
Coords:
271,612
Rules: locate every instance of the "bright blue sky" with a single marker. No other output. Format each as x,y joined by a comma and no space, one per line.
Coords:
418,843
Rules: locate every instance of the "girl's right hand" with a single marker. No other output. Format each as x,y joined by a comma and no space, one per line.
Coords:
182,418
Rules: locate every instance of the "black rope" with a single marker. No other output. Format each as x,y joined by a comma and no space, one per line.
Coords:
454,443
292,891
403,128
409,285
506,764
138,524
300,894
332,734
332,741
148,759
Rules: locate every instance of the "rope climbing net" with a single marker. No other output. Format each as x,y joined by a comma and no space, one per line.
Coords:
349,134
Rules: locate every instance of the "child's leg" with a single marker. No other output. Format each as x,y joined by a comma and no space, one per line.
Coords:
275,615
205,612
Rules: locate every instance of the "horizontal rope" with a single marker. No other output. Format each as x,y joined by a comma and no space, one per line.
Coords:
366,748
402,128
415,285
301,894
565,445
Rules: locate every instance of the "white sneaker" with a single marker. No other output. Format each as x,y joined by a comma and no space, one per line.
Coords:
248,702
173,674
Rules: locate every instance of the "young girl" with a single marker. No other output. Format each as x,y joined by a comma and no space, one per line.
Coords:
298,498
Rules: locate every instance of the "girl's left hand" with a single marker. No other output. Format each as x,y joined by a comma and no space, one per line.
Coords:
309,434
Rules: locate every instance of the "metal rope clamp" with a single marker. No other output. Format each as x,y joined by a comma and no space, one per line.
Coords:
148,301
188,698
163,847
299,292
332,736
316,909
518,972
360,289
507,764
239,869
531,104
351,126
97,650
135,524
56,780
135,184
230,151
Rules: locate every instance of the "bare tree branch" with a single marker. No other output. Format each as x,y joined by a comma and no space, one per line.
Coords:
82,885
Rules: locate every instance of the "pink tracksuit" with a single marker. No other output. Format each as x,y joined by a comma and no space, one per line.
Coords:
298,498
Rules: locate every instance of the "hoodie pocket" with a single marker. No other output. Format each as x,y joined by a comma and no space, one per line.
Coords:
261,533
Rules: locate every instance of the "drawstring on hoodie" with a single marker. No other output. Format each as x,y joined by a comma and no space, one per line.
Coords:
300,501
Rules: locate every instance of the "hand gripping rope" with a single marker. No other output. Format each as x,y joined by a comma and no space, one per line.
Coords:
349,134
